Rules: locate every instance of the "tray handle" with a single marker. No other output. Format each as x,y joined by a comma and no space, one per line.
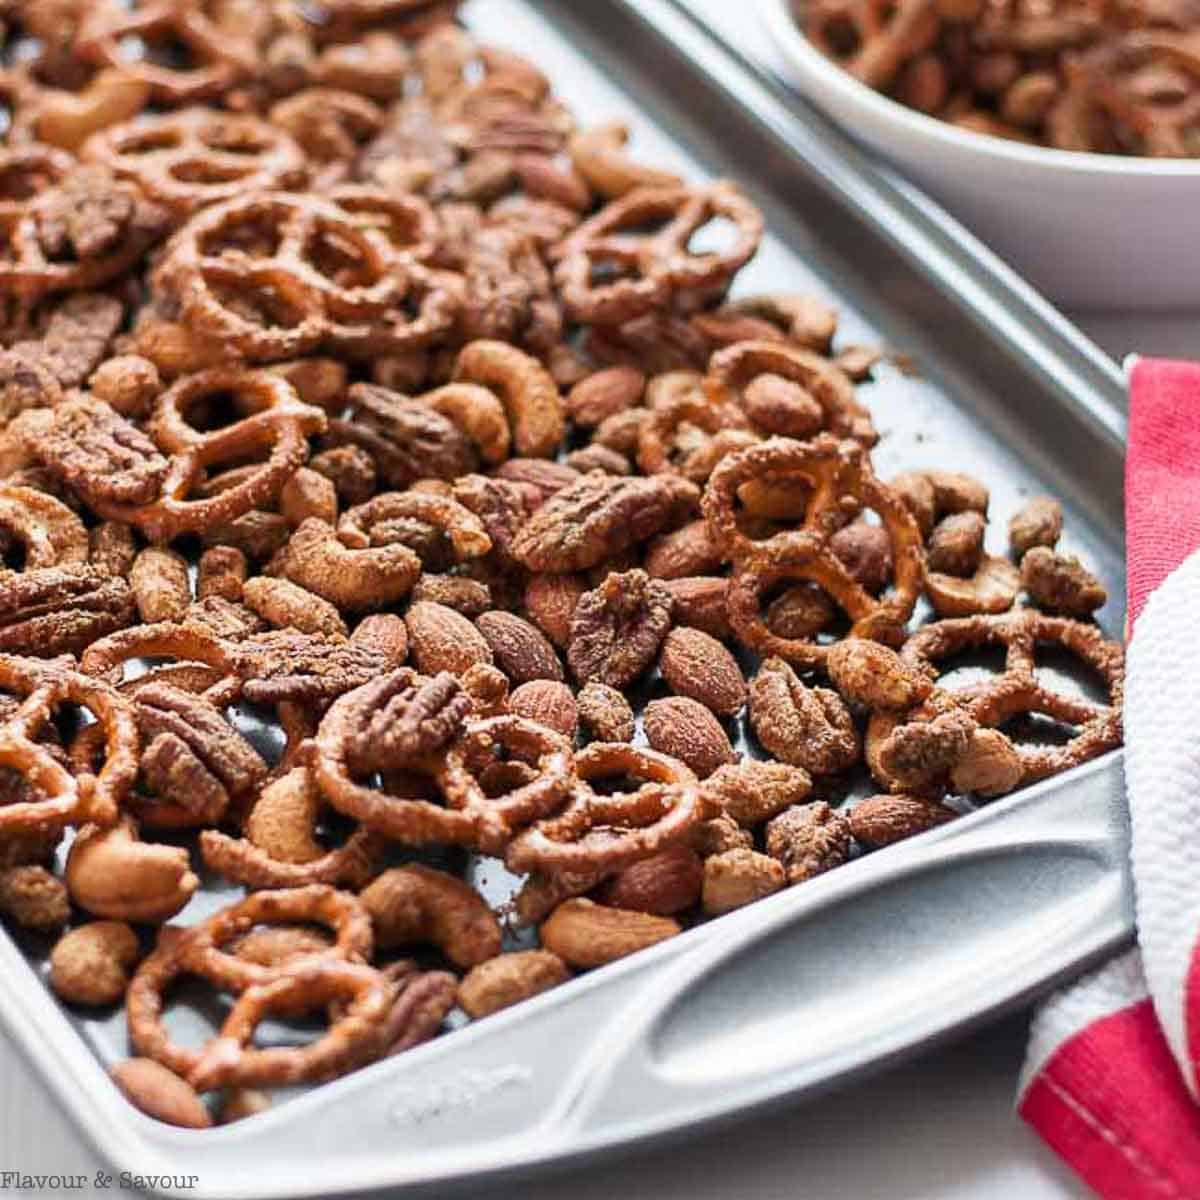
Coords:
799,991
950,929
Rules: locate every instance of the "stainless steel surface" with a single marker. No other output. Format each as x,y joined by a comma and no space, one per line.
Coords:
820,982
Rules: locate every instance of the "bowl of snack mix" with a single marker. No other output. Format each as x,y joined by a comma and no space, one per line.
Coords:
1066,133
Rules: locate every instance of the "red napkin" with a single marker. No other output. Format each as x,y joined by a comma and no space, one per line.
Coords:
1110,1081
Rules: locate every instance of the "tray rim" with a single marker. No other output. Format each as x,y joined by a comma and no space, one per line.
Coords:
126,1139
990,289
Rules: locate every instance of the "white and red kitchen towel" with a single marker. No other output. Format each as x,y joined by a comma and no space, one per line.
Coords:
1112,1078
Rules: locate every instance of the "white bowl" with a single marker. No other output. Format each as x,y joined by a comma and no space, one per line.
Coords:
1093,231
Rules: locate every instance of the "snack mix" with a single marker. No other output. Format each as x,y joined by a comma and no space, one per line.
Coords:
349,388
1106,76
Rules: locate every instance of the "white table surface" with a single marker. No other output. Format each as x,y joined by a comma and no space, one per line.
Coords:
939,1128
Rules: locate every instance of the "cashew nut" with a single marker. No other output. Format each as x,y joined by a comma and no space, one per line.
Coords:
414,904
478,413
111,874
352,580
67,119
536,411
739,877
599,156
992,589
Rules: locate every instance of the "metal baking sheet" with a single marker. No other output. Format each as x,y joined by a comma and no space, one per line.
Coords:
817,983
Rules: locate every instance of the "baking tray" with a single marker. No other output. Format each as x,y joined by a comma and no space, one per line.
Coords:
855,968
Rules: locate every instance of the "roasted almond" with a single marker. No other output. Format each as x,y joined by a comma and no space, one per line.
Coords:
542,177
882,820
599,458
605,394
520,650
688,731
441,639
664,884
701,603
548,702
683,553
696,665
550,604
160,1093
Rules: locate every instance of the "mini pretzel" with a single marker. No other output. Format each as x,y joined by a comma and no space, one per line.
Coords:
25,172
67,799
599,832
407,223
299,986
199,156
278,423
321,273
885,35
841,482
52,535
660,435
190,643
654,266
731,369
1018,690
221,58
497,818
1125,81
362,999
249,392
246,862
200,950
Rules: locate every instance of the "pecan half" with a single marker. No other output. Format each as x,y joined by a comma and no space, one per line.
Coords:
287,665
25,383
56,610
807,727
95,451
411,717
808,839
617,629
76,337
201,727
406,438
599,516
